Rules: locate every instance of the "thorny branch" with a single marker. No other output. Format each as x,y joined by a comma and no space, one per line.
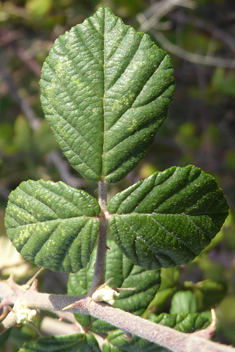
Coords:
13,294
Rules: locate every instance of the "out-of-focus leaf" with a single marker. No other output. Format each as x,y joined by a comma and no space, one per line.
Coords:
169,281
223,82
183,302
43,138
23,135
38,8
187,137
208,293
107,347
6,137
4,337
226,313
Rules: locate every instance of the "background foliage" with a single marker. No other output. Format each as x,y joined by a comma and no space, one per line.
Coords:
200,130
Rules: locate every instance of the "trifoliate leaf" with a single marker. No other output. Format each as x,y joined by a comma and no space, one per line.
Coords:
52,225
143,284
106,90
70,343
168,218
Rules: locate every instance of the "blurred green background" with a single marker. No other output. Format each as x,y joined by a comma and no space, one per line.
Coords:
200,130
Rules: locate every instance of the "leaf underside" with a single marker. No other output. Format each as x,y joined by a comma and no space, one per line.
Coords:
105,90
52,225
124,274
168,218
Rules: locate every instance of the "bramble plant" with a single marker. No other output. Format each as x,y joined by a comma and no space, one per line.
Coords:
106,90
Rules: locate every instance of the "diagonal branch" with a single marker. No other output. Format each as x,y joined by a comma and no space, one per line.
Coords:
164,336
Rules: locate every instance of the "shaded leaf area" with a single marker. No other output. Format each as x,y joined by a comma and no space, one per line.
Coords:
182,322
107,347
208,293
168,218
169,283
124,274
138,346
70,343
106,90
52,225
183,302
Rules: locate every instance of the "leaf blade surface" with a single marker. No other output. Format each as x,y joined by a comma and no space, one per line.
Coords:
168,218
52,225
71,343
106,90
124,274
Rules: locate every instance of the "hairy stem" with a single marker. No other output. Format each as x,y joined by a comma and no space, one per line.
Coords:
172,339
98,278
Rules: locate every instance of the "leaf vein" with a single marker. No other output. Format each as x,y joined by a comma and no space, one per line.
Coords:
70,146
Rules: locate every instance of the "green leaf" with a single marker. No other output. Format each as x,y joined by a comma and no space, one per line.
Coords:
182,322
70,343
168,218
169,282
106,90
52,225
208,293
107,347
38,8
118,340
43,138
4,337
124,274
183,302
23,134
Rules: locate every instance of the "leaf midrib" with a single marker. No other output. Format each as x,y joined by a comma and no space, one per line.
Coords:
103,98
176,214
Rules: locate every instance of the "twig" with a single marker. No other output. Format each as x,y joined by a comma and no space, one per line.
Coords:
208,27
149,22
159,10
195,58
164,336
8,322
